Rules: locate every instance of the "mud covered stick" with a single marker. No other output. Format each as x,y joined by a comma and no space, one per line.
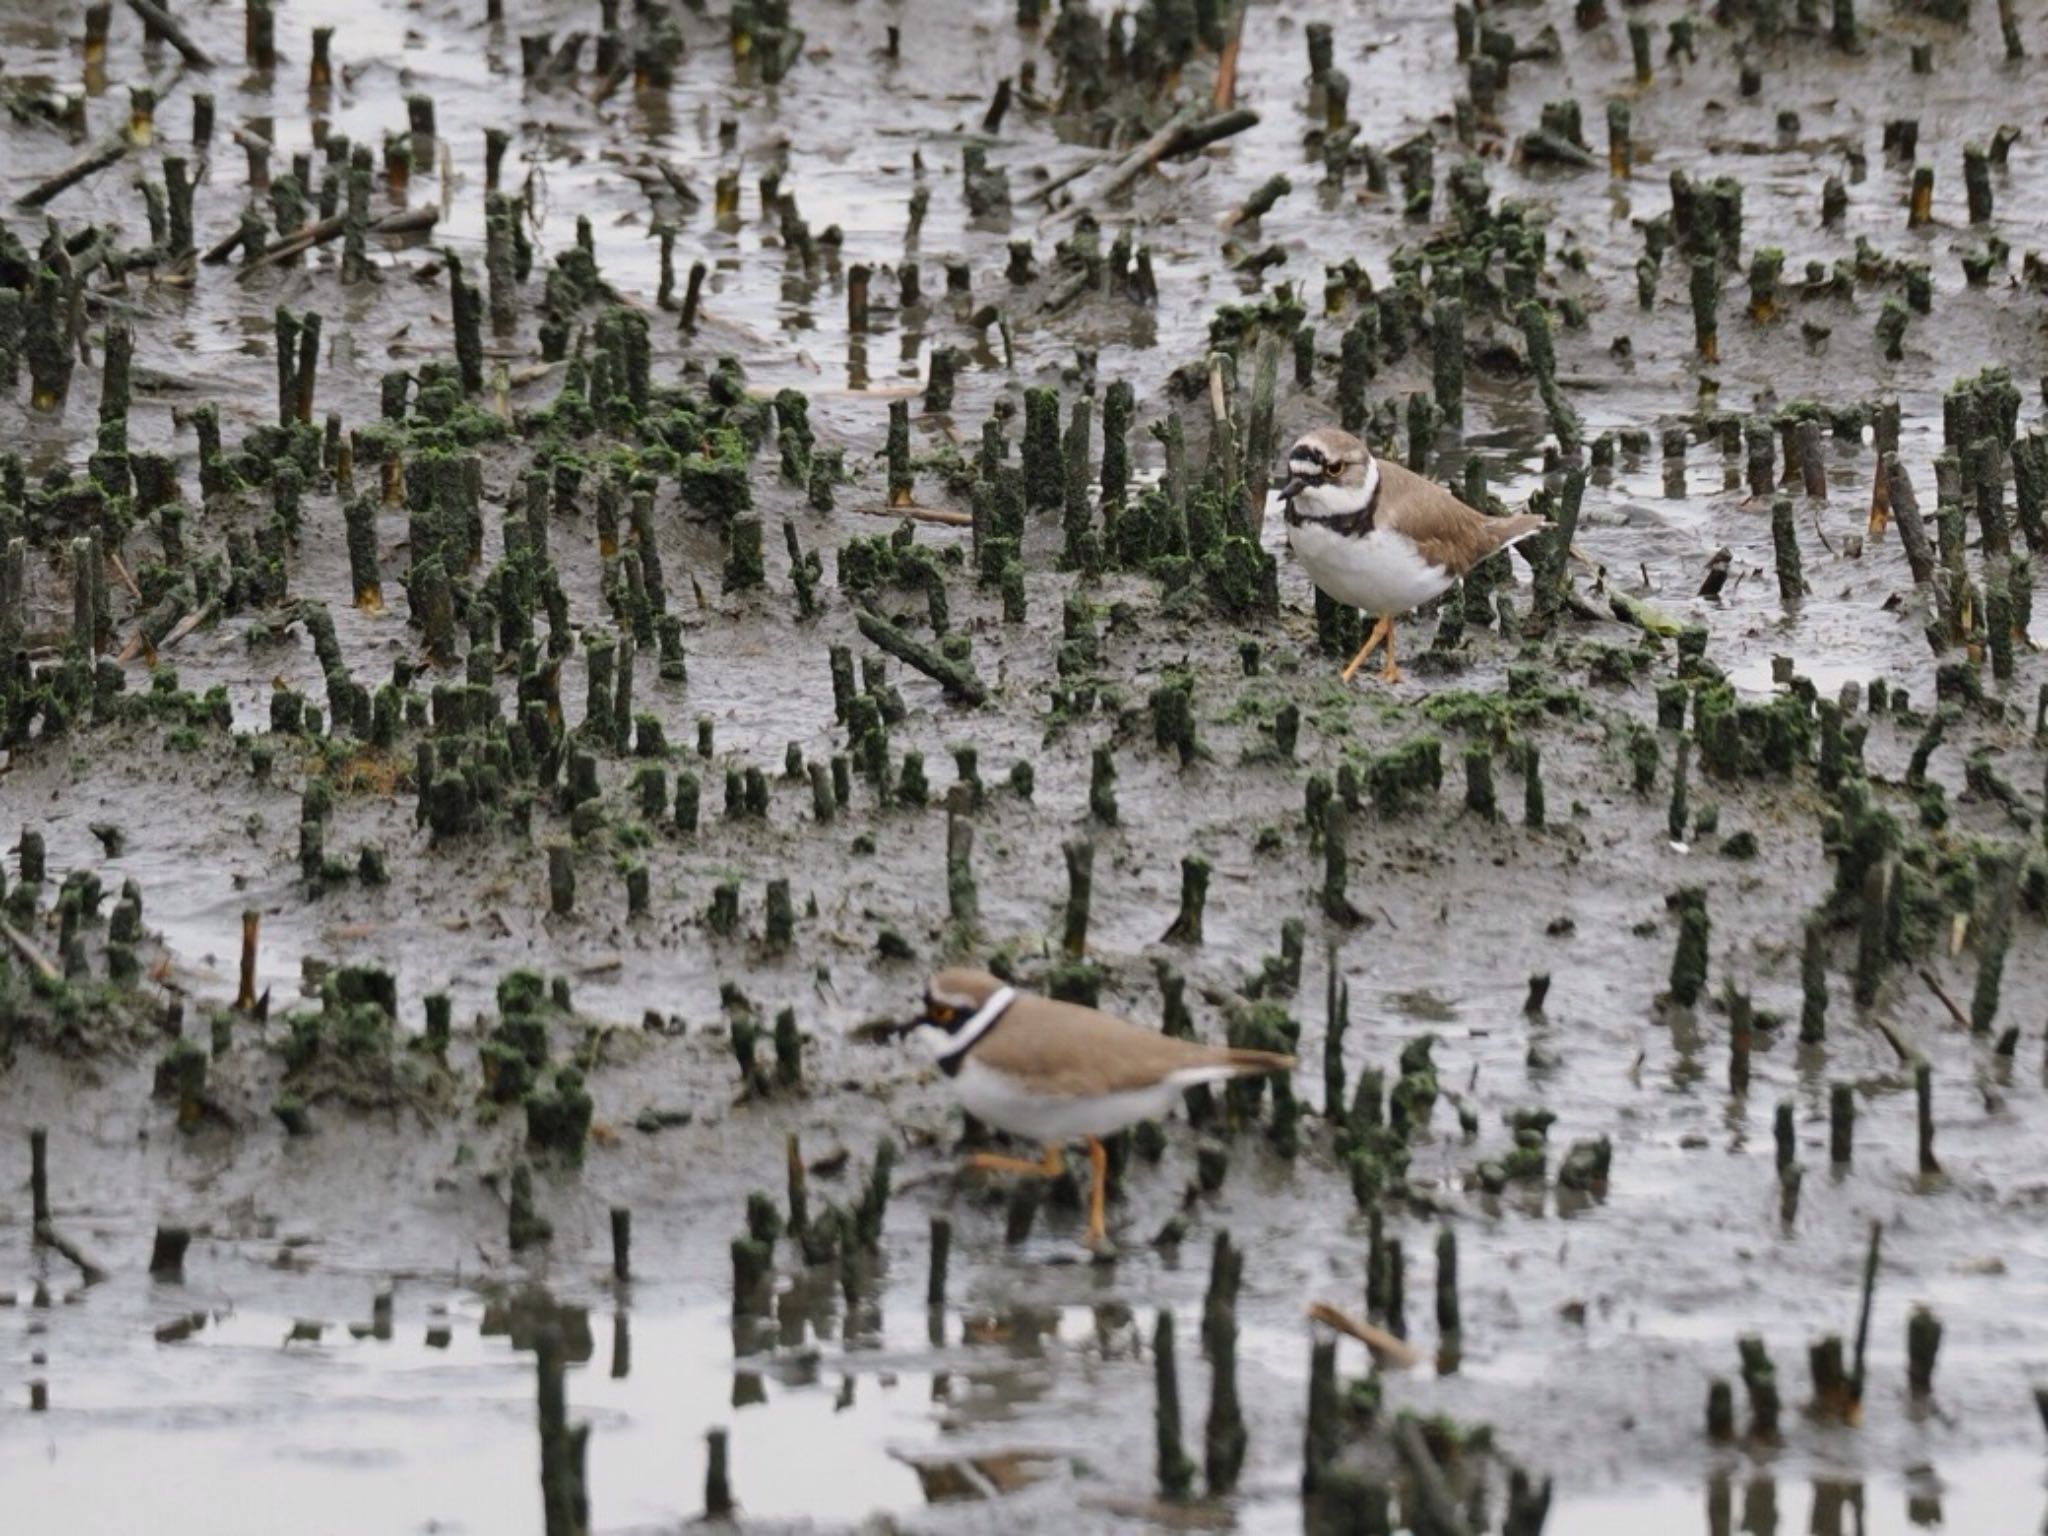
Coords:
1322,1437
1044,469
857,278
1186,927
165,25
46,334
1260,203
941,1252
1176,1471
902,482
1841,1124
167,1253
1080,860
1760,1381
1977,182
2003,898
110,153
1224,1439
1447,1312
1923,1098
1689,959
39,1175
1479,791
956,678
1441,1508
1813,981
1081,550
1923,1344
1905,510
1785,549
1336,830
718,1499
1620,140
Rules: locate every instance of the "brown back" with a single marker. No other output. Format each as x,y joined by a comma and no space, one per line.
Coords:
1065,1050
1445,530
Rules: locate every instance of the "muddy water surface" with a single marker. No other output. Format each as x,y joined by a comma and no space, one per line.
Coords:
1591,1327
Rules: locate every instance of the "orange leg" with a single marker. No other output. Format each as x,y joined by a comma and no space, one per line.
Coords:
1390,673
1384,630
1098,1158
1052,1167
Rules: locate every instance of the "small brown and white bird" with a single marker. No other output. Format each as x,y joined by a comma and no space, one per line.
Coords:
1380,537
1057,1072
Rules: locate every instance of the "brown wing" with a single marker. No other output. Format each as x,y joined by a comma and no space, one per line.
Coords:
1445,530
1065,1049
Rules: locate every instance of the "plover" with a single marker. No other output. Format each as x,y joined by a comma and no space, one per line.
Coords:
1380,537
1058,1072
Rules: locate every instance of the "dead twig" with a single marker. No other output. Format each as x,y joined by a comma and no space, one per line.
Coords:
121,571
1961,1018
1225,94
1386,1348
25,947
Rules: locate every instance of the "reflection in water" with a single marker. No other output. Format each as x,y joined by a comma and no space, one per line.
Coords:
1988,1493
420,1418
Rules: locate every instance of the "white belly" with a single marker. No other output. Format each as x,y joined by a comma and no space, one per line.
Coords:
996,1099
1382,573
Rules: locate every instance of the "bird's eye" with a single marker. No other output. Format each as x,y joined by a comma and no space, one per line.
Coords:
941,1013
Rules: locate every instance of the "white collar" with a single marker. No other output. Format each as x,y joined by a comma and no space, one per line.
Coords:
984,1019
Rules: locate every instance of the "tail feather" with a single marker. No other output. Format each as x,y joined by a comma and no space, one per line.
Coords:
1242,1062
1228,1062
1509,531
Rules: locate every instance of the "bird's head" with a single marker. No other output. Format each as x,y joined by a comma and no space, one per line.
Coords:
953,1000
1330,473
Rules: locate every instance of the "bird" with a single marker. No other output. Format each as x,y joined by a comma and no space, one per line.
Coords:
1380,537
1057,1072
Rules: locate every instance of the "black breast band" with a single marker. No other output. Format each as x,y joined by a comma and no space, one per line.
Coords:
1348,525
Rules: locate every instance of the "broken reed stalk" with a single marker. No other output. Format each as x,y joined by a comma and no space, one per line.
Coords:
1856,1376
245,995
1387,1349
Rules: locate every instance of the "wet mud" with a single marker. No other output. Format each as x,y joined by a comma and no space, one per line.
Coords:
505,988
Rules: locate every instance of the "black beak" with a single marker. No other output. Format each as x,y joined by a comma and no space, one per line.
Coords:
1294,487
